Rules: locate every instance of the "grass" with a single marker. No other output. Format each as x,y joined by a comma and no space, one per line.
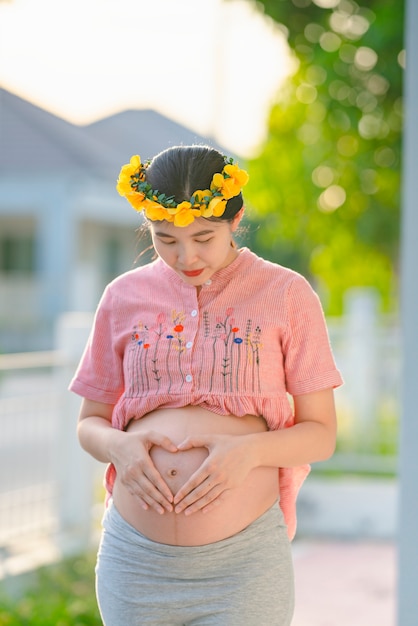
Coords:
60,595
379,437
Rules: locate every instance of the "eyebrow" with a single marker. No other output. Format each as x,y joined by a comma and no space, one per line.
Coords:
198,234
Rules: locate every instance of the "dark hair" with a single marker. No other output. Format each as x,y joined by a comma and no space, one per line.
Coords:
181,170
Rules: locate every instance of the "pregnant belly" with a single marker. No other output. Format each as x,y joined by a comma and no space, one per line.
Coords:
239,507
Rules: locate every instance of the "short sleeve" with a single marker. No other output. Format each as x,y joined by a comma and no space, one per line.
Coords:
308,360
99,375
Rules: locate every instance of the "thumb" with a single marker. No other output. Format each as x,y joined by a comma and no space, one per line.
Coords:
193,442
164,442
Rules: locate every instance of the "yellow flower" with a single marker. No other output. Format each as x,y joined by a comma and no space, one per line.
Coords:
184,214
200,196
240,176
135,162
183,206
217,182
186,217
124,185
155,211
218,206
215,208
136,200
230,186
127,171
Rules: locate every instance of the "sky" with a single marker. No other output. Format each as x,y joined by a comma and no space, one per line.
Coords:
212,65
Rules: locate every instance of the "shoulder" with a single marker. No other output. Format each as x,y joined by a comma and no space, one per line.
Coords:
141,275
259,270
132,286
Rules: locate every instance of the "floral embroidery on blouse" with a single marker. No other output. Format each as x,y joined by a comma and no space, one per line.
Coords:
157,350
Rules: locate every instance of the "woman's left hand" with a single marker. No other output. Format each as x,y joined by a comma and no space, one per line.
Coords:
227,465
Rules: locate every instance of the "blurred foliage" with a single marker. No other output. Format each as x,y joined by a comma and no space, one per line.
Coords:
325,187
60,595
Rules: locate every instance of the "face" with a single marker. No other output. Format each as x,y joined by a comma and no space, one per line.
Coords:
197,251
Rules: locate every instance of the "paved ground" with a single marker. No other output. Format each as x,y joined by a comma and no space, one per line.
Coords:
338,583
345,583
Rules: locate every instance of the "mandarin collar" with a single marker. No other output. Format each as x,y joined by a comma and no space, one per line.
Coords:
219,278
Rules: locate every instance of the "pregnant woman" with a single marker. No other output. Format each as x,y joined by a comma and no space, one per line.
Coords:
207,387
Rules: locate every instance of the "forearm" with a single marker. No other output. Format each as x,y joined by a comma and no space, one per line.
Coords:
97,437
307,442
128,452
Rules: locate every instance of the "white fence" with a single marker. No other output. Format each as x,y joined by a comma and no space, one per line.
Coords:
46,480
368,352
49,486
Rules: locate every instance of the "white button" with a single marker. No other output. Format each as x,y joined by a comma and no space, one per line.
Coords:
189,344
193,313
189,378
208,282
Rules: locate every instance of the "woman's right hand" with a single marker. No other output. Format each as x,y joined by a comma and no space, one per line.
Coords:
128,451
135,470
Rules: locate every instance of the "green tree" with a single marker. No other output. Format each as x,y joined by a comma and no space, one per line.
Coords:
326,184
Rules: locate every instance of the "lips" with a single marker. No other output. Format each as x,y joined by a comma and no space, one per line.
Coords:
192,273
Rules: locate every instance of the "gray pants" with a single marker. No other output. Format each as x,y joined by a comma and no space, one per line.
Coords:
245,580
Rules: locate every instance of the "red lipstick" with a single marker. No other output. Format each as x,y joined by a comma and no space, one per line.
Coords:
192,273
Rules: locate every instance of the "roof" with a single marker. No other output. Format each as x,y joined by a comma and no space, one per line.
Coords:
144,132
35,140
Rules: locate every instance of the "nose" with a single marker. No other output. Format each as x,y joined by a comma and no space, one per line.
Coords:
187,255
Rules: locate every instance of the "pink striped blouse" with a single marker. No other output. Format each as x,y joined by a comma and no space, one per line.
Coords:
253,335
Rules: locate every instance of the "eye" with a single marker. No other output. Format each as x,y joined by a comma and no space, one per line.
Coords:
167,242
204,240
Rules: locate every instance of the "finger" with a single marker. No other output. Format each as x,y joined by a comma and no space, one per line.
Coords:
154,499
159,489
200,494
213,504
160,493
193,487
157,439
208,502
148,502
193,442
150,487
144,505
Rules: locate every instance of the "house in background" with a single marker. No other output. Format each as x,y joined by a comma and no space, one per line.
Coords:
64,230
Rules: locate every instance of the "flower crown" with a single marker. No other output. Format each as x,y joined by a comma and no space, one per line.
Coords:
211,202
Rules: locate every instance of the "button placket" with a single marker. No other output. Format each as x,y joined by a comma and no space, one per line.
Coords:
190,343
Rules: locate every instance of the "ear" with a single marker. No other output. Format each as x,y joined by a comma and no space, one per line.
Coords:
237,219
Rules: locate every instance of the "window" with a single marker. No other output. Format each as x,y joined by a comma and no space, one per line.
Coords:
17,254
